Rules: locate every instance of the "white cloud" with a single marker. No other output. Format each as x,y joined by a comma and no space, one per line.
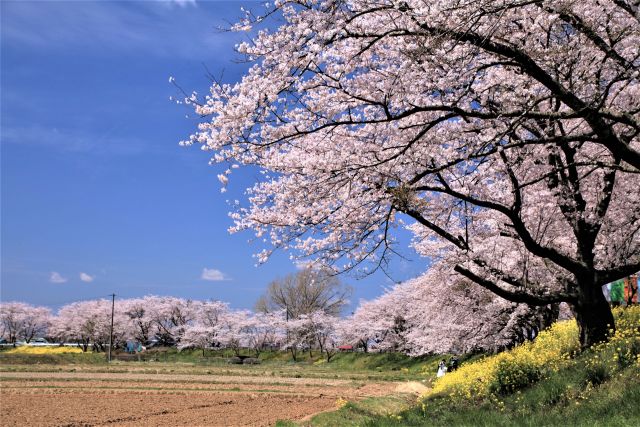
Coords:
212,275
73,140
57,277
181,3
86,278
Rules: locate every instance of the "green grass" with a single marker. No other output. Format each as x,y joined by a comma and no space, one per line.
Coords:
570,397
390,362
561,401
354,366
52,359
363,412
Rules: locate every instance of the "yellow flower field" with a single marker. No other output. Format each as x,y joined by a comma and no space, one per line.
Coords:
25,349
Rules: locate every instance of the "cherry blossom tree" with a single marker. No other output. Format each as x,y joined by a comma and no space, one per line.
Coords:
359,329
35,323
444,313
449,314
20,321
263,330
323,330
140,326
505,130
88,323
374,322
211,313
232,333
170,316
199,336
11,317
297,336
205,330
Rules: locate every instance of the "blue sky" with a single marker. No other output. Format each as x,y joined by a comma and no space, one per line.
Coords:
97,196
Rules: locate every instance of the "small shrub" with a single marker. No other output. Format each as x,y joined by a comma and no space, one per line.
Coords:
597,373
554,393
514,375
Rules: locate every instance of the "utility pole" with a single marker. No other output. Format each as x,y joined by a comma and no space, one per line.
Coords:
113,305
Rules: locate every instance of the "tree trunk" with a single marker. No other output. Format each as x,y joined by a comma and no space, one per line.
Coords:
594,317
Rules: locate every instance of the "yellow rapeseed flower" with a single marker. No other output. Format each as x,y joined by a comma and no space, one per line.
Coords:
25,349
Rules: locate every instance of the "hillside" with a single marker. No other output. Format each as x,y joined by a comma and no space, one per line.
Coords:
544,382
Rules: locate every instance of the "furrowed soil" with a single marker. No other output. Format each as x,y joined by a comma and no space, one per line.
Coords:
136,397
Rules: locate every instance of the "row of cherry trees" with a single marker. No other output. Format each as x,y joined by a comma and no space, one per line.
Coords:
437,316
170,321
440,313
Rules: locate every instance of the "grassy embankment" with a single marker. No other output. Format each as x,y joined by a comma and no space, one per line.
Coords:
543,383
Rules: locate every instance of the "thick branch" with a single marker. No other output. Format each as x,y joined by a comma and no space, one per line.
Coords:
617,273
458,241
513,296
519,226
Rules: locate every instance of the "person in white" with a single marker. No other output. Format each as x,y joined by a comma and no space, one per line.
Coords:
442,368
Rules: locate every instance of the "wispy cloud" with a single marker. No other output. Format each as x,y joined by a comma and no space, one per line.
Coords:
162,28
212,275
86,277
56,277
180,3
73,140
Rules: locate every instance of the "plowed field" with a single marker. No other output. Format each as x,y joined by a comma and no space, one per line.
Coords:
152,399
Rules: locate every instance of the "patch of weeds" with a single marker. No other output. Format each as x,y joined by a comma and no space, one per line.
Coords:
597,373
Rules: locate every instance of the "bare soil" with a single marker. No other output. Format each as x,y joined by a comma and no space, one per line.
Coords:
128,399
